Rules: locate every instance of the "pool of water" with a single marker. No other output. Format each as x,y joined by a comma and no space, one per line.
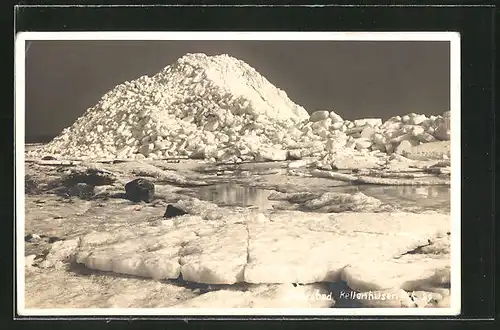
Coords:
404,198
229,194
249,185
435,198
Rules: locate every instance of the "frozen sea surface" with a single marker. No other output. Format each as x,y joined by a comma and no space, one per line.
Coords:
434,198
245,243
256,183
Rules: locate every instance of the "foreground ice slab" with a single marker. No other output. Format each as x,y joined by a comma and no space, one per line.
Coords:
279,247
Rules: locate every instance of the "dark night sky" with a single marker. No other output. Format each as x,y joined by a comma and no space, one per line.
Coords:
356,79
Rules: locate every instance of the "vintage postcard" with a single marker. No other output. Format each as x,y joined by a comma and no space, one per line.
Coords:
237,173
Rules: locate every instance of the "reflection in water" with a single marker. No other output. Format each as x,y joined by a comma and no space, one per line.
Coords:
403,197
427,198
416,197
236,195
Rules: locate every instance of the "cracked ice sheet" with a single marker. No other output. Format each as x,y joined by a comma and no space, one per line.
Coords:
284,247
308,248
203,251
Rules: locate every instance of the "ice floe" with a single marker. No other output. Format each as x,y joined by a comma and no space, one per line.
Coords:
280,247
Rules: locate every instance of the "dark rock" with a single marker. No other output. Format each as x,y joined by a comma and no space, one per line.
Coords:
49,158
172,212
53,239
81,190
90,176
140,190
32,238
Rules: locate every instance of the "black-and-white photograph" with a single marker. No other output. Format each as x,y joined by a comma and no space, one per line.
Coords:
244,173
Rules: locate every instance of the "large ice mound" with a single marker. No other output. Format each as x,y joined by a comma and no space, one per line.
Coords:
198,106
221,109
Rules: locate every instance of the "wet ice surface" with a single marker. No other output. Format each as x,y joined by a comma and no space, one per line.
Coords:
227,194
242,190
261,183
436,198
417,199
